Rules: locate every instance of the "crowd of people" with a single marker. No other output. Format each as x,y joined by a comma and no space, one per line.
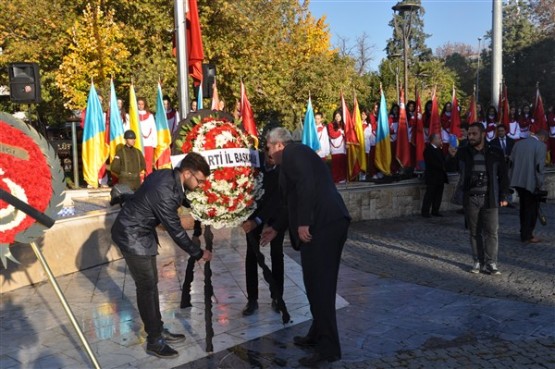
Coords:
333,146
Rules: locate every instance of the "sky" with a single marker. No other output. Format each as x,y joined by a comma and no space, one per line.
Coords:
445,20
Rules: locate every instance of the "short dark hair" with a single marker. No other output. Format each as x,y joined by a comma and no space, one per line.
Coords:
478,125
320,114
167,98
195,162
501,125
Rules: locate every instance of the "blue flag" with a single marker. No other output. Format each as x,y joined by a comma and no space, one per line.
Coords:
116,124
199,98
383,143
310,135
95,149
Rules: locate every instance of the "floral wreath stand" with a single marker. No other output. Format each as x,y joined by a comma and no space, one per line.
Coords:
31,188
227,198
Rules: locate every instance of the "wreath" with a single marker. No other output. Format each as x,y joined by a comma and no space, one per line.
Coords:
228,196
30,171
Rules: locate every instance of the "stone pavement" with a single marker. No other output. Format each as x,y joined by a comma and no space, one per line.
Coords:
406,300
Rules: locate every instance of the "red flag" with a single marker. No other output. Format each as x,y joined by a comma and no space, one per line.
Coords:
435,124
540,122
403,149
419,135
504,109
352,141
455,116
247,115
472,114
195,53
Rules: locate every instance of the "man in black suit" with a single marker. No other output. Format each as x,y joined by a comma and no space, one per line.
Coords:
503,142
435,176
318,222
267,211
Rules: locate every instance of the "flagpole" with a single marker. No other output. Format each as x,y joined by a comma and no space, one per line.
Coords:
181,51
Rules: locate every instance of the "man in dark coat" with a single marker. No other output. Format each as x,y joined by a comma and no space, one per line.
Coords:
129,162
318,223
267,211
435,176
485,184
502,141
134,232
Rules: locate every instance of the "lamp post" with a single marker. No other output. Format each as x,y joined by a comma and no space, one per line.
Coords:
405,9
478,71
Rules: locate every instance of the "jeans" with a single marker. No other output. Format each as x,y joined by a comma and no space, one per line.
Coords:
483,224
145,274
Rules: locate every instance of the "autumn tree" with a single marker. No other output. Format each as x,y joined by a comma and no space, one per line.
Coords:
96,52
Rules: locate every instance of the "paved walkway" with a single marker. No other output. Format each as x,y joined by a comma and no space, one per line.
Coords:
406,301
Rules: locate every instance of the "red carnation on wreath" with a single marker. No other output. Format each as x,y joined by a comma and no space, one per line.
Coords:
229,195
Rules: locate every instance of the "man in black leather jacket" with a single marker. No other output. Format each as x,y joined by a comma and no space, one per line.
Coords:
134,232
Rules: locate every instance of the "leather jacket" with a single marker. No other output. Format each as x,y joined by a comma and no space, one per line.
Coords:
155,202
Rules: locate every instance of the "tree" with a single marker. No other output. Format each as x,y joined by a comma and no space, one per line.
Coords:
450,48
544,15
96,52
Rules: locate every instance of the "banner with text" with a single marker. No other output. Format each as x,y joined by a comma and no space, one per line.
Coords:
225,158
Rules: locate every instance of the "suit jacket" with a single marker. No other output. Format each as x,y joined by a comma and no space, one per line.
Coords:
509,143
268,208
310,196
527,164
435,172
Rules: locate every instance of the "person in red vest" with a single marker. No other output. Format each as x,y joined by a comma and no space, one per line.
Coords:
148,131
491,123
172,115
370,142
393,128
514,127
551,129
525,121
445,119
338,149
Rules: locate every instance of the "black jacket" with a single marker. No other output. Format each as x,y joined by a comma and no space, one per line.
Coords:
311,198
509,142
155,202
496,168
434,173
268,208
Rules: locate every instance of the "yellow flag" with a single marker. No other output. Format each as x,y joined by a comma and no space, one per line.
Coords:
134,123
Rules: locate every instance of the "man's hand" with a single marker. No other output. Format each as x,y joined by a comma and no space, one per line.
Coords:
268,234
248,225
206,255
304,234
503,203
452,150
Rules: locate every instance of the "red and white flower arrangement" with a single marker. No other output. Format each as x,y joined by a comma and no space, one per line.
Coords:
228,196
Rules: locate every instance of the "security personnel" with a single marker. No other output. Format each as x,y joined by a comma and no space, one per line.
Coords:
129,162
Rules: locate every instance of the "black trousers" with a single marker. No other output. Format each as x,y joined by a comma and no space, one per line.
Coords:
145,274
528,213
432,198
251,266
320,260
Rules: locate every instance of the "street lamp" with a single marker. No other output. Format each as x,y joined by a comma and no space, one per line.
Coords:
478,71
405,9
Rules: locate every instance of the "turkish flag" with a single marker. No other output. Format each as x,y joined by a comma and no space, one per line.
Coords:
419,135
195,53
539,114
455,116
403,149
247,115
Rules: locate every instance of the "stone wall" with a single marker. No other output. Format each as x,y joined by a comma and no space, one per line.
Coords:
381,201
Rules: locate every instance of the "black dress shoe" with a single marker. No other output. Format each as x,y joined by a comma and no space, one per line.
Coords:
160,349
437,214
251,307
304,341
170,337
315,359
426,215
